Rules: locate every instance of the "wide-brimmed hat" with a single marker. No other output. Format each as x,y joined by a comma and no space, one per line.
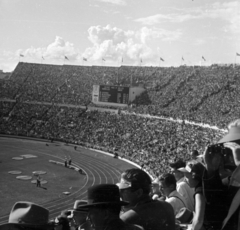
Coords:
232,135
103,195
77,205
28,214
194,167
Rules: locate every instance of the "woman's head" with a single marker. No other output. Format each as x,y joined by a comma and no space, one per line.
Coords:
193,172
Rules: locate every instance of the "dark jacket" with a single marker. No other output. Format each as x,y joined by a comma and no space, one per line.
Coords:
218,201
151,215
118,224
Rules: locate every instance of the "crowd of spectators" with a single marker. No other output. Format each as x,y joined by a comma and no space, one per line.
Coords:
147,141
201,94
52,102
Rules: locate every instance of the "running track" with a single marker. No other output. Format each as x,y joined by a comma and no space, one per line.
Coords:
99,168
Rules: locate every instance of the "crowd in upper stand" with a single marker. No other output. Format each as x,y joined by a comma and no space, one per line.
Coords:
203,94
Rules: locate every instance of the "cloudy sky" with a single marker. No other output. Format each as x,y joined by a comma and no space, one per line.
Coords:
121,32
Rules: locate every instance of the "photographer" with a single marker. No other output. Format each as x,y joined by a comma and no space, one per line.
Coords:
223,194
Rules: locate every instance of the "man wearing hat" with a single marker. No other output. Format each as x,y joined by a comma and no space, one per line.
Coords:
104,206
28,215
135,188
182,186
224,199
76,217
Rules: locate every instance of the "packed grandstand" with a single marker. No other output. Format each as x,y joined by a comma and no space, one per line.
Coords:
163,124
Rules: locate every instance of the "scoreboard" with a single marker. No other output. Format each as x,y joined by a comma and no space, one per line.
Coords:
108,94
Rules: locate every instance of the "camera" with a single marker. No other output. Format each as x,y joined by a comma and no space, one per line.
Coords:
226,153
69,214
217,148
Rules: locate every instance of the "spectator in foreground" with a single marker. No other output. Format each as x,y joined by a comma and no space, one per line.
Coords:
77,217
224,199
28,215
104,206
193,173
135,187
182,185
167,183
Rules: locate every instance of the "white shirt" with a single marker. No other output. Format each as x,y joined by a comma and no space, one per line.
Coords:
187,192
176,200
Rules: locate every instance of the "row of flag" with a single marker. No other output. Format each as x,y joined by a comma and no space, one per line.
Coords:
85,59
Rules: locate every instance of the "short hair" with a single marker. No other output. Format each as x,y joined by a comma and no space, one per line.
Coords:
138,179
168,179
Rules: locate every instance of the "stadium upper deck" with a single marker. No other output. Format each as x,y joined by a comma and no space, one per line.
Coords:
202,94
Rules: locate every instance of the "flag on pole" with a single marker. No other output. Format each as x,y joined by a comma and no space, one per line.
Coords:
203,58
43,58
66,57
122,59
237,54
21,55
161,59
103,59
84,59
182,58
141,60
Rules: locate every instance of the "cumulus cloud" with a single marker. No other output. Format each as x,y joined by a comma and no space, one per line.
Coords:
56,50
111,43
59,48
116,43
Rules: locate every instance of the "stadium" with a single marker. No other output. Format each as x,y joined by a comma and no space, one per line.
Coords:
133,125
182,109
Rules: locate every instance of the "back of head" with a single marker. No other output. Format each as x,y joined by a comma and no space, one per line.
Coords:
169,179
177,164
136,179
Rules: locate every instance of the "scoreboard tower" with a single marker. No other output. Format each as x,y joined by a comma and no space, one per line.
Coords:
114,95
110,95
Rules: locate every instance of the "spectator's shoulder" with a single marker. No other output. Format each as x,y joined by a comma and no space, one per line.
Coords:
129,215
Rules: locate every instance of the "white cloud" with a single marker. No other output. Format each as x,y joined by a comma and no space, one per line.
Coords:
115,43
54,51
116,2
110,43
227,11
59,48
159,18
